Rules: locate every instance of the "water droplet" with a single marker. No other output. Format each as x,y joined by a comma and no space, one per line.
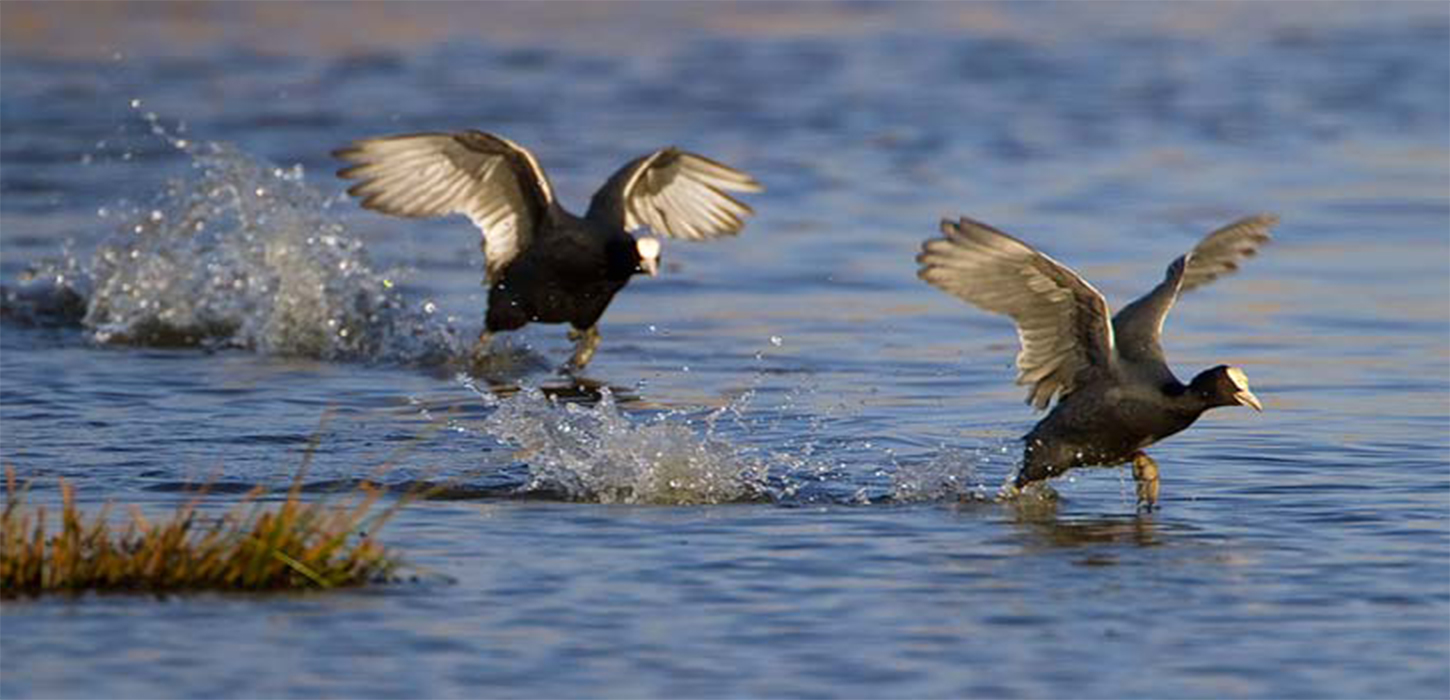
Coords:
776,340
157,215
135,103
429,307
261,192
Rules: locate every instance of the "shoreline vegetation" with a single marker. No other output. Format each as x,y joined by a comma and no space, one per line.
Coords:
252,546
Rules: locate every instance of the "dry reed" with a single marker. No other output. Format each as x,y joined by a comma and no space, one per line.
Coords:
250,547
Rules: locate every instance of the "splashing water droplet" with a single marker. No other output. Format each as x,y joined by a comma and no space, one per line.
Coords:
207,265
597,454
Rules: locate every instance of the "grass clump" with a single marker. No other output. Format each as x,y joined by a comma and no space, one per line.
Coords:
251,547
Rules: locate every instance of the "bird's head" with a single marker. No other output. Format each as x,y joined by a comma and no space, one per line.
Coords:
649,255
1225,386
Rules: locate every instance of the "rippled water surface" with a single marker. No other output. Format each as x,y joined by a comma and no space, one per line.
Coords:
776,478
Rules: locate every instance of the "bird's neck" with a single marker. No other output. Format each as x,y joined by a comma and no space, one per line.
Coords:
1187,400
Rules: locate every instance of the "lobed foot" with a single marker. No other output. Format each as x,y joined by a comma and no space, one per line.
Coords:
1145,474
482,346
585,343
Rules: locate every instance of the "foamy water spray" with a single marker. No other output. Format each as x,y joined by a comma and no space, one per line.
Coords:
597,453
242,253
732,453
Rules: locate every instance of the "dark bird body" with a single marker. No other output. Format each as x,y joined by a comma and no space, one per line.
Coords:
569,276
544,264
1115,393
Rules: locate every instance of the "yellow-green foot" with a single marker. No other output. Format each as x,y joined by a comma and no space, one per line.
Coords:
1145,475
585,343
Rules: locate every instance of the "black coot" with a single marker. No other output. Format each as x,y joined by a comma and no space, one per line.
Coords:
543,263
1116,395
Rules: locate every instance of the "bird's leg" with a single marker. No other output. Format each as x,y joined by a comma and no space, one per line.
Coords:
482,345
1145,474
585,343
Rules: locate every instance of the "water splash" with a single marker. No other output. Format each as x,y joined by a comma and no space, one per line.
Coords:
950,474
595,451
240,253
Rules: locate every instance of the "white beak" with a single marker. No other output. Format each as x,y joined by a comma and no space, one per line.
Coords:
1243,395
1247,398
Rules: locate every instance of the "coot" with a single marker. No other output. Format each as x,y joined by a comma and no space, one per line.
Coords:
543,263
1115,392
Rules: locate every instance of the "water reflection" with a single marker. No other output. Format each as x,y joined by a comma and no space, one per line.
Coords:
1038,524
1047,531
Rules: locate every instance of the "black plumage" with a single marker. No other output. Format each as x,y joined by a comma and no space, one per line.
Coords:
543,263
1115,393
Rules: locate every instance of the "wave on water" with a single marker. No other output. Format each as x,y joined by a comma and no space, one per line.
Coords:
239,253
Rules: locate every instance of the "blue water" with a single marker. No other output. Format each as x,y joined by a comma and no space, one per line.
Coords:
776,477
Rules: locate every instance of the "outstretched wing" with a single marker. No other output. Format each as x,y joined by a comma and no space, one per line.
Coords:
675,193
1139,325
1221,252
495,182
1062,320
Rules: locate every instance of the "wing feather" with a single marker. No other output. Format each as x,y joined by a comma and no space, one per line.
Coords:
1062,321
1139,325
1221,252
675,193
494,182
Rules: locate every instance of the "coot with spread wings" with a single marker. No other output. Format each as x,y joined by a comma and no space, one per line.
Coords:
1115,393
543,263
